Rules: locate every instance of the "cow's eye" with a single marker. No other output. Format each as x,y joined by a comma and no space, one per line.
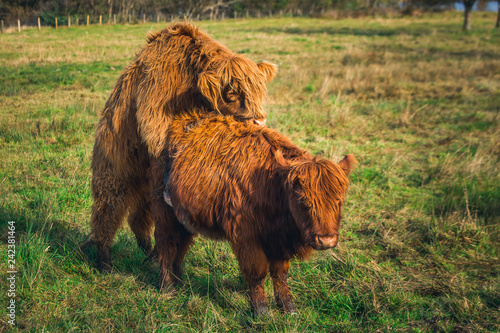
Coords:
231,97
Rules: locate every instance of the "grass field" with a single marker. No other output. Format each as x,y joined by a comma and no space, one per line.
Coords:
415,99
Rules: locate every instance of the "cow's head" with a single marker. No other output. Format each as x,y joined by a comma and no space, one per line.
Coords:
236,85
230,83
316,198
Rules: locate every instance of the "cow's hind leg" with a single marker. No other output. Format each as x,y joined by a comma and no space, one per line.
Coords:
279,271
253,265
105,221
140,218
110,206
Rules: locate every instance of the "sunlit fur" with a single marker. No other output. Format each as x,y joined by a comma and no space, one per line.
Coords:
320,187
180,68
253,187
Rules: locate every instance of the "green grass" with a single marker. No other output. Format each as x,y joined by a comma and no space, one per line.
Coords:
415,99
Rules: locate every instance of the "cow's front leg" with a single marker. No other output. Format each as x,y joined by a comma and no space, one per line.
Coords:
253,265
279,271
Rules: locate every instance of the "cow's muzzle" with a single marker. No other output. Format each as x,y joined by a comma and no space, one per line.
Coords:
325,242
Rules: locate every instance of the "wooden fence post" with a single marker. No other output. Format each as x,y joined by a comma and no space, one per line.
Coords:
2,26
56,22
18,25
114,18
129,18
87,20
100,19
69,21
157,18
143,18
77,21
247,13
39,25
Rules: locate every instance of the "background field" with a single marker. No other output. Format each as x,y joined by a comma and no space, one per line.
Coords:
416,100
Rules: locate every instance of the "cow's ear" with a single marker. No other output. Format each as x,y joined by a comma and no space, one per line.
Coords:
210,87
348,163
268,69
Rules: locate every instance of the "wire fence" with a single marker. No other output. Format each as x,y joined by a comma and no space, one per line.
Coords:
88,20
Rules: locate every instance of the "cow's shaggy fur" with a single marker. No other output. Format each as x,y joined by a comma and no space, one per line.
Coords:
251,186
180,68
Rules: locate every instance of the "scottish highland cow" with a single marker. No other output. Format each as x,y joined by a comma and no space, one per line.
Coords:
180,68
251,186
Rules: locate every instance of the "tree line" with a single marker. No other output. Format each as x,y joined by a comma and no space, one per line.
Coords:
132,10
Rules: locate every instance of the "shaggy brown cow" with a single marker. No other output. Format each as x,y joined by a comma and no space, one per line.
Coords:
251,186
180,68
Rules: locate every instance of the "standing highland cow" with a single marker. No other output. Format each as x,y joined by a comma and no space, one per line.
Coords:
251,186
180,68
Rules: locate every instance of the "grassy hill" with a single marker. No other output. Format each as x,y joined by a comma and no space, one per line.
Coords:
416,100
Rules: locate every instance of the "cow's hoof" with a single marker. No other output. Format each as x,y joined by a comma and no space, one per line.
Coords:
168,290
152,257
166,283
260,310
145,246
286,305
86,245
289,307
104,267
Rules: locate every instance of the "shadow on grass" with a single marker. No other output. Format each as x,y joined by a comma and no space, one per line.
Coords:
414,31
62,237
347,31
434,53
201,284
63,240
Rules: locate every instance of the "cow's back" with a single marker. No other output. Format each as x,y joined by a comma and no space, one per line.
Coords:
226,176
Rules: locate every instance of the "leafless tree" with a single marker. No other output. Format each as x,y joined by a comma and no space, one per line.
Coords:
468,4
498,16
